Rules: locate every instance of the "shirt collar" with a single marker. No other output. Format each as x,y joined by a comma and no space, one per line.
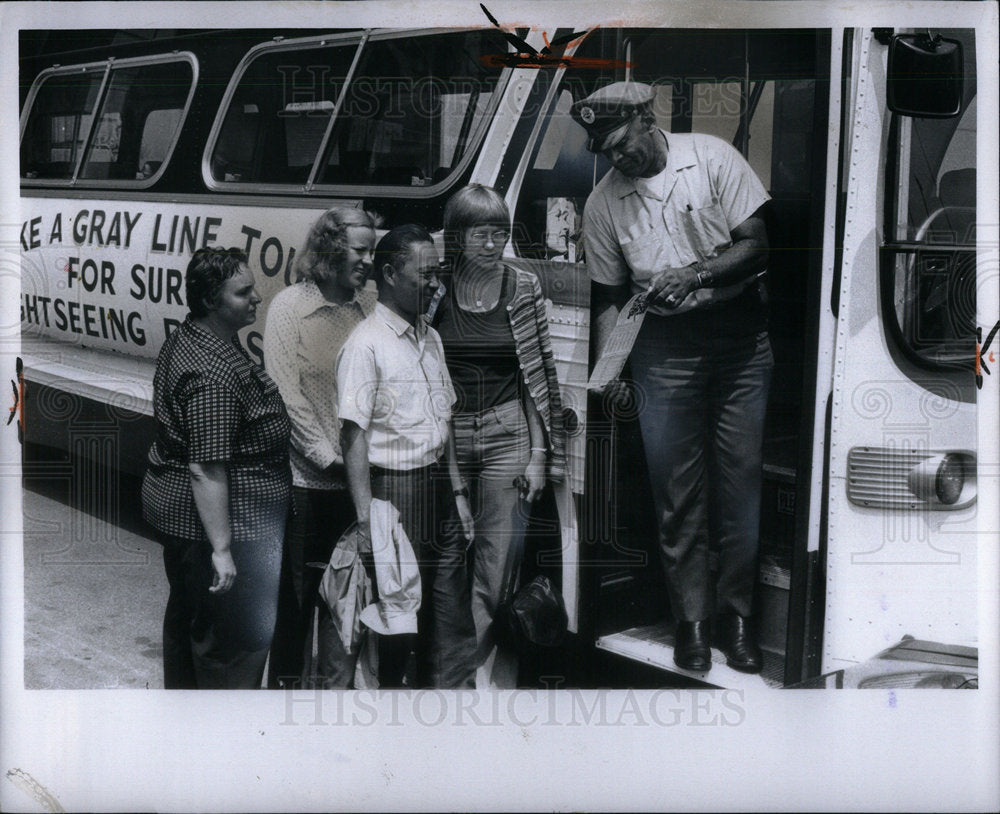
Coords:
395,322
210,339
313,299
680,155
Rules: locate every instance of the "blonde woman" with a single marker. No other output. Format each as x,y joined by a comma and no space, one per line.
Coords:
307,324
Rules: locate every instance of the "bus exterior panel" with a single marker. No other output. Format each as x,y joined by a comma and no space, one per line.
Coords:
901,559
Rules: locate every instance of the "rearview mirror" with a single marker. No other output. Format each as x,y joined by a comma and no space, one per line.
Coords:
924,76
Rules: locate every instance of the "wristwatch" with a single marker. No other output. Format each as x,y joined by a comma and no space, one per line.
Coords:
463,492
704,278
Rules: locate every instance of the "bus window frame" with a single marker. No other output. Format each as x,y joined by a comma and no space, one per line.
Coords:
109,65
310,188
891,248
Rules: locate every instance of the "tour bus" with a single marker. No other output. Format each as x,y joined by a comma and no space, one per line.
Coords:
139,146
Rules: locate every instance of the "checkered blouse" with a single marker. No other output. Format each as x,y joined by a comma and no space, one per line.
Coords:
213,403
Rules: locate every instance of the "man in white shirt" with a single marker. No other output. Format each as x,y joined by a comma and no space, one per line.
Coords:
394,399
680,216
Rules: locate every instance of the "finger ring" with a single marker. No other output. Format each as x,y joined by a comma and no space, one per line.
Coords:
671,299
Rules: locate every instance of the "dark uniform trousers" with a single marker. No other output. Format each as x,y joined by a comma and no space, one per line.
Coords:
702,400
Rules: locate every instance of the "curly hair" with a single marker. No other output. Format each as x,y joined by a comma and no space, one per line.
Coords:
326,243
472,205
207,272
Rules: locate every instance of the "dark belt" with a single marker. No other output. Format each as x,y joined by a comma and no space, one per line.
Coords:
374,470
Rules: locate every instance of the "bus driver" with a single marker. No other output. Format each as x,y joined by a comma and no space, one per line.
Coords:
679,216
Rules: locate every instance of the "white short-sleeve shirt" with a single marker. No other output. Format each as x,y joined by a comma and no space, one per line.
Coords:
634,228
393,383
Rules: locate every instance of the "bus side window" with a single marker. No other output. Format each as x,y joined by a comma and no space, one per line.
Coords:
58,122
278,112
133,95
414,108
128,138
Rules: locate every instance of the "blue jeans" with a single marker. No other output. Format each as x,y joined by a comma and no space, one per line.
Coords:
493,448
702,405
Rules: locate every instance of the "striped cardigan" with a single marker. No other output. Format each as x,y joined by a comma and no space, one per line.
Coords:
530,325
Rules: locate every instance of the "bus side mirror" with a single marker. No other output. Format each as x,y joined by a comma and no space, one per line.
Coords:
924,76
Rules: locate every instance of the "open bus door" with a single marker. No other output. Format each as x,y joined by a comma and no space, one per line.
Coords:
872,337
767,93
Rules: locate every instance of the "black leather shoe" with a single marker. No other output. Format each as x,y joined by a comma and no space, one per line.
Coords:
740,646
691,649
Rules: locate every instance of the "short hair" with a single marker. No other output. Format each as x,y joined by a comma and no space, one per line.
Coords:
472,205
394,247
207,272
326,243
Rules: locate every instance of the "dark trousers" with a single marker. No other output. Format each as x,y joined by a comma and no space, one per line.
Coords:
702,405
319,517
215,641
446,639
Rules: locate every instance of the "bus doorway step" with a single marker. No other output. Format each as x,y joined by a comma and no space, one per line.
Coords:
654,645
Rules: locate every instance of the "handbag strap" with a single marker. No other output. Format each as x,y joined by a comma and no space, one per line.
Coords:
512,578
315,636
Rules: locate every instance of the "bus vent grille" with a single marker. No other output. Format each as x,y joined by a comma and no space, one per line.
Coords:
877,476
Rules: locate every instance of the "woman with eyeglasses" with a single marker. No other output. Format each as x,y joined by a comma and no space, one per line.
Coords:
507,422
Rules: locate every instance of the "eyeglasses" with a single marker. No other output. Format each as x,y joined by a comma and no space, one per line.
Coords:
496,235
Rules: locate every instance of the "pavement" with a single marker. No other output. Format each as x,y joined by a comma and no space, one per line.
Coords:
94,592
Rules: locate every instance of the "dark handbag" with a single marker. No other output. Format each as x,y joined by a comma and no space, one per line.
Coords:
533,619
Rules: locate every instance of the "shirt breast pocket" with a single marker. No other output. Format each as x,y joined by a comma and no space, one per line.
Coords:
707,229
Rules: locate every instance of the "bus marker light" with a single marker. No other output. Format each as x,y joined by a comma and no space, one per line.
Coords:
950,479
938,479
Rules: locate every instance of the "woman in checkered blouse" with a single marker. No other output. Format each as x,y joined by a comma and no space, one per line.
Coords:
218,484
